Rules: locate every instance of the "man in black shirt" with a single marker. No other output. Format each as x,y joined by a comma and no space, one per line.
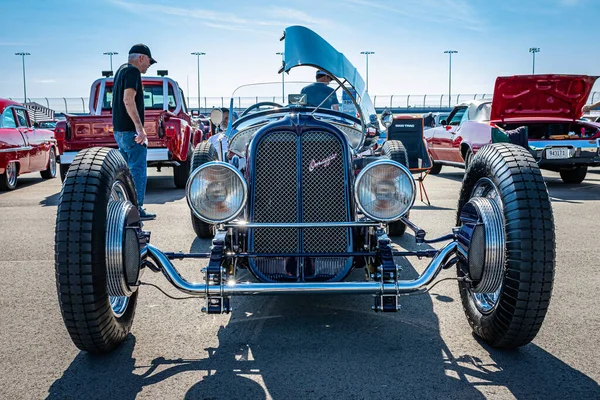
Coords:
128,118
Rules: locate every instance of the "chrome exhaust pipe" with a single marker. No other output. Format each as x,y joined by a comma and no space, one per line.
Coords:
231,289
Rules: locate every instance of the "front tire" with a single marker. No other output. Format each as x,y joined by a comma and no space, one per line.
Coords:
182,173
203,153
63,169
512,316
50,172
395,151
8,179
436,168
96,321
576,175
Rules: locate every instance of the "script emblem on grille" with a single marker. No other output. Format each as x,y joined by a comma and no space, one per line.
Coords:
323,163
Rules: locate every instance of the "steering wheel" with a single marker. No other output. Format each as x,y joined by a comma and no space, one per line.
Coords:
258,105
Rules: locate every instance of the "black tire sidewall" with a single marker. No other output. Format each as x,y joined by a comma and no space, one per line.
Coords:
5,184
495,327
203,153
182,172
96,183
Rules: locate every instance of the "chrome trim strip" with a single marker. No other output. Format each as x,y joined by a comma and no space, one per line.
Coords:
22,148
573,144
201,289
155,154
298,224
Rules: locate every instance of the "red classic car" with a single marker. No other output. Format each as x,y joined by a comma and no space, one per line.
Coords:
549,106
23,147
172,133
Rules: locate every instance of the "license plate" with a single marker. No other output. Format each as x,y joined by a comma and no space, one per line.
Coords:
558,153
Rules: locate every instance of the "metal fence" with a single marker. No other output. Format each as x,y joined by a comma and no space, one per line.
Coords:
79,105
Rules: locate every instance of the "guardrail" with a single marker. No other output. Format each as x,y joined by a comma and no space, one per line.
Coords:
398,102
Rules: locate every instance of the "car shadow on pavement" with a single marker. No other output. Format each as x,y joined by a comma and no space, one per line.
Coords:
305,347
573,193
24,182
161,190
453,176
51,201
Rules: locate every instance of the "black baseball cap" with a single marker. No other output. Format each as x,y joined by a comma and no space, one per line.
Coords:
142,49
323,73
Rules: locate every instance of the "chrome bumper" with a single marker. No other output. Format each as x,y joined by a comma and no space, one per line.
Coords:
201,289
154,154
580,151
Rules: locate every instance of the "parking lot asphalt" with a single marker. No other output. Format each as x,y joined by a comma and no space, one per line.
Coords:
293,347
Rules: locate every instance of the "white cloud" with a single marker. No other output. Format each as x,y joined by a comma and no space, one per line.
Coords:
277,16
461,13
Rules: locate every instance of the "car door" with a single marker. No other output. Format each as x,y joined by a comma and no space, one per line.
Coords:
37,156
13,144
447,140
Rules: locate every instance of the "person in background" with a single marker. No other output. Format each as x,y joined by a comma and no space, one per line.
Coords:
429,121
591,107
317,92
128,119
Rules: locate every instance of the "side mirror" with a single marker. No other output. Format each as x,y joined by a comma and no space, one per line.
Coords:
387,118
36,125
216,116
443,122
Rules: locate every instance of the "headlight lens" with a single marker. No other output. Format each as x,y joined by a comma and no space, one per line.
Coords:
216,192
385,190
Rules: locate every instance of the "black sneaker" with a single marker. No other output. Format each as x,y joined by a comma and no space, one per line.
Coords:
145,215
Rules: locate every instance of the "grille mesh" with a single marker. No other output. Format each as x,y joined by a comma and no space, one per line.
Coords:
276,193
322,198
323,192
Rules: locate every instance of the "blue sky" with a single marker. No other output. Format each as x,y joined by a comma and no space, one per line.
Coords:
66,39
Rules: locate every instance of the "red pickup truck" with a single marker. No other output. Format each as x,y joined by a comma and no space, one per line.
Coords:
172,133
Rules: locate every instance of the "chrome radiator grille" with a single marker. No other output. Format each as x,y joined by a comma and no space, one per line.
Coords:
300,179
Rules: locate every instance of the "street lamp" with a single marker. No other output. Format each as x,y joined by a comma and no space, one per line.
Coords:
24,84
110,54
534,50
282,54
450,52
198,54
367,53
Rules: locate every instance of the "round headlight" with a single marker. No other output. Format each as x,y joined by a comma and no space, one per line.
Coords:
385,190
216,192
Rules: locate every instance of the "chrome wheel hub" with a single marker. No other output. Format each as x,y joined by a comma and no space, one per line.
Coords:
118,290
487,302
52,163
11,174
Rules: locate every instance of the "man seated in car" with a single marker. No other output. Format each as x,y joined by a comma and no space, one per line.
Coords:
317,92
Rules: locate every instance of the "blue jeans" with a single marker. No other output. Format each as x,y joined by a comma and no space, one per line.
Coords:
135,155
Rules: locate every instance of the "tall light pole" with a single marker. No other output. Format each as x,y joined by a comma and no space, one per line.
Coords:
450,52
282,54
534,50
110,54
24,83
198,54
367,53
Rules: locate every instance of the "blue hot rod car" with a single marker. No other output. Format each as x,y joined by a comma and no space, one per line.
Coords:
305,196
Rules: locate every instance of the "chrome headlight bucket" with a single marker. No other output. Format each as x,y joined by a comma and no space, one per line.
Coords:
216,192
385,190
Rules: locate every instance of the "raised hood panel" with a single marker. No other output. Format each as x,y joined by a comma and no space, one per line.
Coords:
305,47
553,96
